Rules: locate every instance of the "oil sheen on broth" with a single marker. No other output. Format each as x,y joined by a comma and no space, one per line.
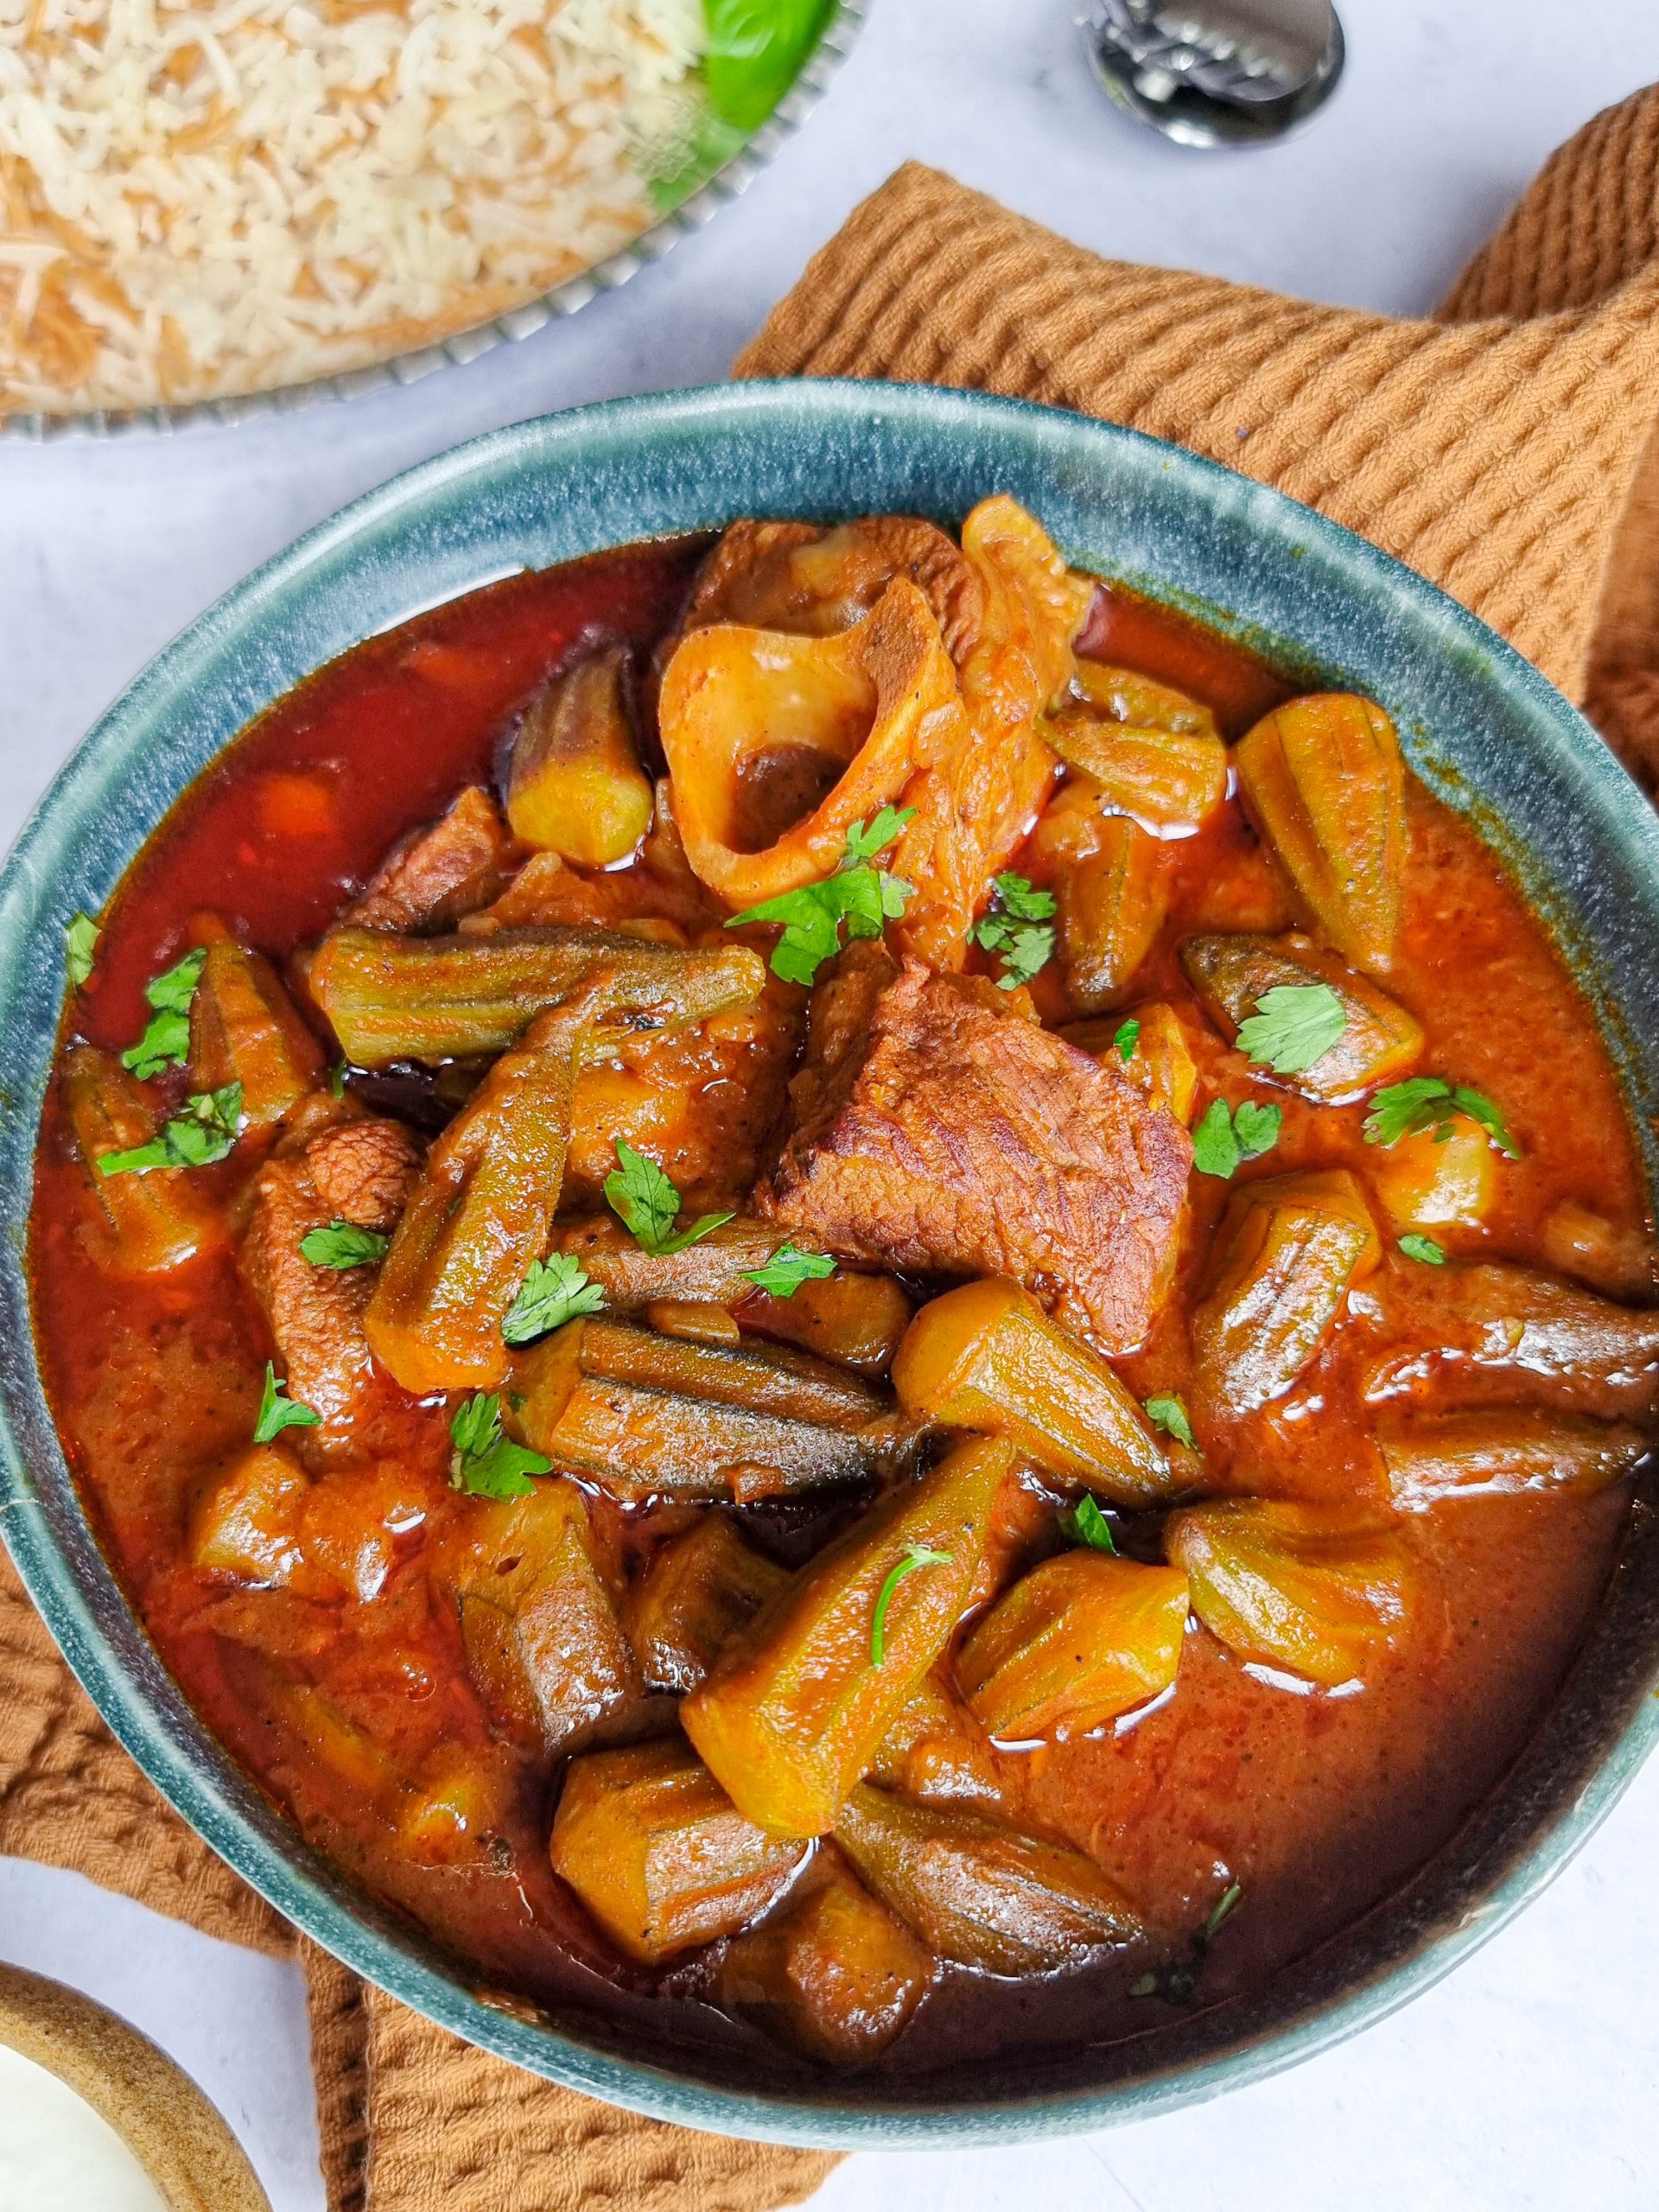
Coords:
1098,1343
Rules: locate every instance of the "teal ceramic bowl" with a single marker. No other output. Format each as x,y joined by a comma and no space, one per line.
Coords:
1480,725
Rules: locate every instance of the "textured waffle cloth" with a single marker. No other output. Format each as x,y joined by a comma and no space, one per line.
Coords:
1502,448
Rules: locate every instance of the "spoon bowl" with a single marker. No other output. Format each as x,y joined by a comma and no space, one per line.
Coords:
1216,72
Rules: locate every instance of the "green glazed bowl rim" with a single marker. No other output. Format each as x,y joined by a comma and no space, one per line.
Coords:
1480,724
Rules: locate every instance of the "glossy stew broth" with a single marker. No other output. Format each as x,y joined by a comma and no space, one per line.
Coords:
1313,1801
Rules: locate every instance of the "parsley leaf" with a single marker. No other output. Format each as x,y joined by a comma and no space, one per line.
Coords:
1015,897
1257,1128
343,1245
1222,1909
1402,1109
475,1424
1177,1982
864,843
1169,1413
1424,1248
1215,1149
917,1556
860,895
648,1205
1085,1523
643,1195
139,1159
277,1411
166,1040
485,1463
202,1131
80,941
556,1290
1426,1102
1019,928
788,1268
1293,1026
1222,1141
1127,1037
206,1127
1481,1109
811,918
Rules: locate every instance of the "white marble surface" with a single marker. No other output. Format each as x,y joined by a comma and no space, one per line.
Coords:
1531,2078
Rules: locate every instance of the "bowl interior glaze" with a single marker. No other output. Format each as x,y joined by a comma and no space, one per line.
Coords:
1479,724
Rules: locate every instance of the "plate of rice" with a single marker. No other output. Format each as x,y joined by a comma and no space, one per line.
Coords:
220,206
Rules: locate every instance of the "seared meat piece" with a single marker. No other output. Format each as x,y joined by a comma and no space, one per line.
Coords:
362,1171
970,1141
431,879
715,1270
974,803
658,898
316,1313
838,1039
777,743
794,575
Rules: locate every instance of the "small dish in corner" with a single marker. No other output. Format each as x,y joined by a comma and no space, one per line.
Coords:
117,2080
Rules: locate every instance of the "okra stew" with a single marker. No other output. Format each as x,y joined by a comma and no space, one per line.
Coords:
837,1290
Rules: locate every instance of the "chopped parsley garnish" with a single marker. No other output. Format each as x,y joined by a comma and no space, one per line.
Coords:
917,1556
1404,1109
277,1411
859,894
1127,1037
1424,1102
556,1290
1019,928
1424,1248
343,1245
1220,1909
648,1205
1257,1128
1085,1524
166,1040
337,1076
788,1268
485,1463
885,824
1224,1140
1176,1983
202,1131
1168,1412
1293,1025
80,943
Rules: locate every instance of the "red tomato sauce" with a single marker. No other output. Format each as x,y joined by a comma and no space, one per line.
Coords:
1317,1805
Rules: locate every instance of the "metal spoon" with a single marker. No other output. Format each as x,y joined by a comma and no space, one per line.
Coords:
1216,72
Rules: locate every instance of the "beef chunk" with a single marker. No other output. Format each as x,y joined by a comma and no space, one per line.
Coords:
363,1170
940,1135
451,869
315,1314
794,575
838,1039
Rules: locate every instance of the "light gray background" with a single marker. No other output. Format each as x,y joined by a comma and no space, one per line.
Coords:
1532,2078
